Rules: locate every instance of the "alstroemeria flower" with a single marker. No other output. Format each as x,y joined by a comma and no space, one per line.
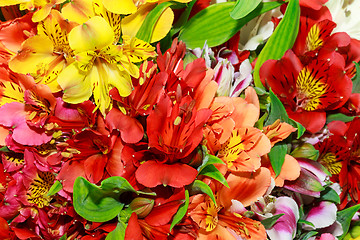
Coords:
99,65
45,55
340,154
285,226
217,222
307,91
43,7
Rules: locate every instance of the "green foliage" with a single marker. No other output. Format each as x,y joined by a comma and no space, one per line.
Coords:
269,222
330,195
281,40
356,79
277,156
243,8
345,216
56,187
214,25
200,186
181,211
118,233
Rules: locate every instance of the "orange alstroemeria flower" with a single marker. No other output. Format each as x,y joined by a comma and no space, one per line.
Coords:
216,222
228,114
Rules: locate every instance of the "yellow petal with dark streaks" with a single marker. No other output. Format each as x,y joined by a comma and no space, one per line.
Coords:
36,52
137,50
10,92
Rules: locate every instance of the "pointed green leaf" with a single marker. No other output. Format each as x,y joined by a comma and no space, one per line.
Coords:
306,236
93,203
146,29
243,8
338,117
212,172
181,211
330,195
200,186
281,40
4,149
56,187
63,237
118,233
269,222
183,18
209,160
345,216
277,156
277,110
300,128
214,25
301,221
356,79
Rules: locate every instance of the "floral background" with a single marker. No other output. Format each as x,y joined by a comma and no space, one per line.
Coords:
156,119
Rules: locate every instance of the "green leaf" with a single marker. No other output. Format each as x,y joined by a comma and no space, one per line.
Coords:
181,211
146,29
118,233
93,203
277,110
300,128
301,221
5,148
345,216
200,186
277,156
356,79
330,195
214,25
338,117
269,222
183,18
56,187
308,235
209,160
63,237
281,40
243,8
212,172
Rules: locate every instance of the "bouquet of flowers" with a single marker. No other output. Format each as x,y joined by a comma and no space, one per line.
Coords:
183,119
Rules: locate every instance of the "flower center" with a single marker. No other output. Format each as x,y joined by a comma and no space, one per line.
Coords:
332,164
39,187
310,90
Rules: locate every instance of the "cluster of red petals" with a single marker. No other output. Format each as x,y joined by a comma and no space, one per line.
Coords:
314,77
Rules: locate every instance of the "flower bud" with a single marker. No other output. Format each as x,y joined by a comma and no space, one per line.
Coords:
306,151
142,206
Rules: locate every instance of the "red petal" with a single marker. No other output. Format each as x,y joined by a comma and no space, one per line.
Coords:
94,167
312,121
152,174
133,230
69,172
130,128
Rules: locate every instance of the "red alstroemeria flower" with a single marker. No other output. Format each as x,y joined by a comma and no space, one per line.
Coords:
87,155
174,131
307,91
340,155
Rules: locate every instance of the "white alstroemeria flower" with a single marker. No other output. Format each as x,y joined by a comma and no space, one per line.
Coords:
345,14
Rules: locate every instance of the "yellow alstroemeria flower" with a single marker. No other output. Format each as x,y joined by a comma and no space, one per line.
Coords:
44,6
99,64
46,54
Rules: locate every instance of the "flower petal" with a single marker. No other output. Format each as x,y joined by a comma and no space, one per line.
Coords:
94,34
152,174
322,215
